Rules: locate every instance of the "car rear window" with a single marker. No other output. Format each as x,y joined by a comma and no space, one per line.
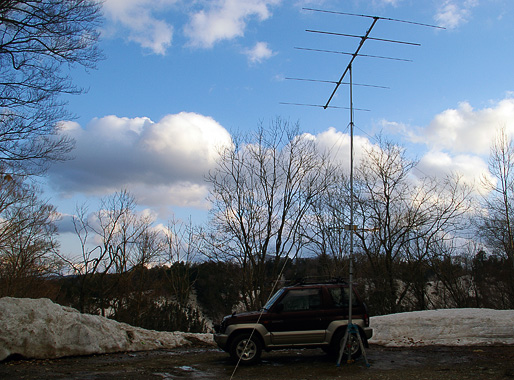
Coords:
340,297
302,299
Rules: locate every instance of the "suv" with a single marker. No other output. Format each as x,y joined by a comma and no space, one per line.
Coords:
299,316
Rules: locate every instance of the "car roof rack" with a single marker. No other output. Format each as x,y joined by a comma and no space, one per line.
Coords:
318,281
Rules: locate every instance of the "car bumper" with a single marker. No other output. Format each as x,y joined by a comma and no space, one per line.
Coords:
368,331
221,340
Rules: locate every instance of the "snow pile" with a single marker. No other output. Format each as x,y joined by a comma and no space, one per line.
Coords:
452,327
39,328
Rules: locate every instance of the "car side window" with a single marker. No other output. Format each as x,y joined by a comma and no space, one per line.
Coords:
302,299
340,297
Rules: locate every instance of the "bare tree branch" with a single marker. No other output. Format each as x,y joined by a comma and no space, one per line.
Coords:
39,41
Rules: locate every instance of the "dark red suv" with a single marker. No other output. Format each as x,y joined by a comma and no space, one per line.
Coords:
299,316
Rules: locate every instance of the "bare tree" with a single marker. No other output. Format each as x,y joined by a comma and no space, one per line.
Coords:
407,218
324,228
495,224
27,240
149,246
181,247
456,284
39,40
111,241
261,191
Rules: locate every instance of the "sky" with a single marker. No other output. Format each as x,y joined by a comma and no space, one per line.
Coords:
180,78
52,330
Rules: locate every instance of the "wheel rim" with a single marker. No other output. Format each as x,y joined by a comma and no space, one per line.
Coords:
246,349
353,343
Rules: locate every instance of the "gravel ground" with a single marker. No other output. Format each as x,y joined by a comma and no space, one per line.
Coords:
431,363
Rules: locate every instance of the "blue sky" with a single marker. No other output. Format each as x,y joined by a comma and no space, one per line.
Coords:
180,77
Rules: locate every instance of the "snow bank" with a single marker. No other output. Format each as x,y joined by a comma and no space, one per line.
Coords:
452,327
39,328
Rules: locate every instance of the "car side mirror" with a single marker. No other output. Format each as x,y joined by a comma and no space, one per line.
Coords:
280,308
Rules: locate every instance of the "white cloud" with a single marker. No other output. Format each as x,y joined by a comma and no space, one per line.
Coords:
180,194
453,13
144,28
465,130
396,128
459,140
394,3
337,144
145,22
225,19
161,164
259,52
472,169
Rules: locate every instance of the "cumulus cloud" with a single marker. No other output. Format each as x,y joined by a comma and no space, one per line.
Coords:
471,169
259,52
337,144
162,163
466,130
225,19
459,140
138,18
453,13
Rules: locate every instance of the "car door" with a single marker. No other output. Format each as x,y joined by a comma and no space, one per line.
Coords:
297,318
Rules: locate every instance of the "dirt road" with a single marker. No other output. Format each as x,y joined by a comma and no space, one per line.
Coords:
431,363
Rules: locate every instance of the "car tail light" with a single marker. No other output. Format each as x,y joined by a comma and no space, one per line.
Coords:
366,320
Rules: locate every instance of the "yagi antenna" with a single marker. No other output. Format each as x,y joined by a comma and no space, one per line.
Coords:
363,39
354,55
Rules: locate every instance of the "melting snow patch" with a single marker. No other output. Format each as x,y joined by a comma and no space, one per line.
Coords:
39,328
449,327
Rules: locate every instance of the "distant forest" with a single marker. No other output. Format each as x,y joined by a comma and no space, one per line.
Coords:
185,297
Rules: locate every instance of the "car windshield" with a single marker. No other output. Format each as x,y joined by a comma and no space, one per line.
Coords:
272,300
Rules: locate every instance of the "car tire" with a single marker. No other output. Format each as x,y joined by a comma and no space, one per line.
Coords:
246,349
353,343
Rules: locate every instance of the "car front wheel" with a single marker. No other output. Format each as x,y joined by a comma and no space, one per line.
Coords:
246,349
